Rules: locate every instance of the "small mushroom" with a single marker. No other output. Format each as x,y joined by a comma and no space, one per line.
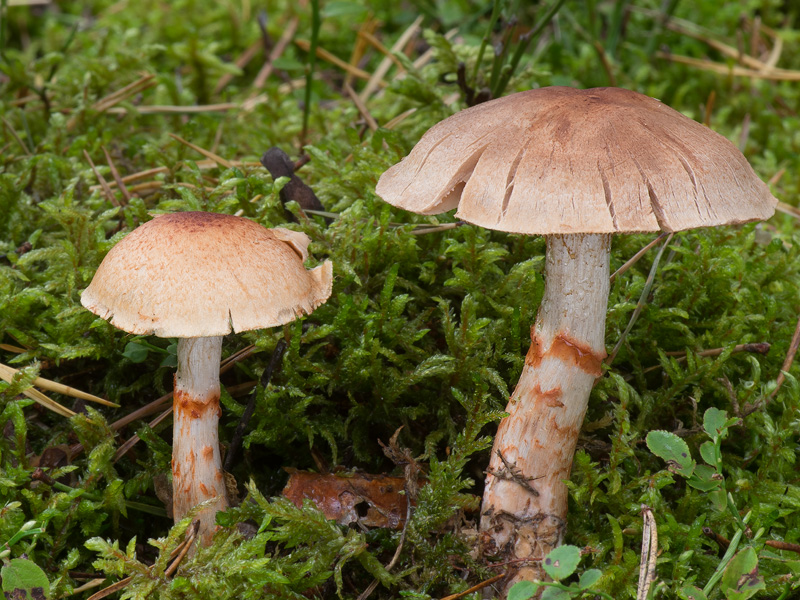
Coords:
575,166
198,276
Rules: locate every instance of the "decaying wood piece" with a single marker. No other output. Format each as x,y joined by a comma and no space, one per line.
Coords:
371,500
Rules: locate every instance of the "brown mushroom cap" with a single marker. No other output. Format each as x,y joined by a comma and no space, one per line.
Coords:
197,274
563,160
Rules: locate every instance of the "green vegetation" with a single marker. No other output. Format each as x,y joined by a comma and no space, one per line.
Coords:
425,330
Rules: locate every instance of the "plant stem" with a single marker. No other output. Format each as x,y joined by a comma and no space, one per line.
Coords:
310,65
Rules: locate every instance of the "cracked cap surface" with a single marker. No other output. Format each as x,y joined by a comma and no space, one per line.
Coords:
197,274
563,160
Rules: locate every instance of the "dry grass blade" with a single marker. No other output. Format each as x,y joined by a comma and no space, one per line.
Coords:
241,62
647,564
361,107
134,439
378,45
59,388
360,46
227,364
438,228
141,84
103,183
788,209
680,356
635,258
16,137
187,544
376,79
105,103
276,53
115,175
39,397
642,301
89,585
114,587
334,60
728,70
207,153
157,109
10,348
394,122
180,551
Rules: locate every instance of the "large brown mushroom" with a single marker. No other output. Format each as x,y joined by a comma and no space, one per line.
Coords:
575,166
199,276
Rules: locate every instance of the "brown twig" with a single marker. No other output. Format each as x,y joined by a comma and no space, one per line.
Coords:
361,107
276,53
376,79
207,153
305,45
115,174
240,62
475,588
787,362
15,136
103,183
647,563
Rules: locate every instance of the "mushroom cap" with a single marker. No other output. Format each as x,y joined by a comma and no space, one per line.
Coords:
563,160
197,274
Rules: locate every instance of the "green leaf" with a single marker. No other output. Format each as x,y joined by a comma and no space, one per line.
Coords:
690,592
714,422
589,578
23,580
674,450
562,562
703,479
708,454
741,579
522,590
135,352
554,593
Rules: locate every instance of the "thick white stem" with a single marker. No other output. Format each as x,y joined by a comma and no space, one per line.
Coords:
525,500
196,464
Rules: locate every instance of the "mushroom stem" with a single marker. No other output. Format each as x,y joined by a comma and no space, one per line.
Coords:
525,500
196,464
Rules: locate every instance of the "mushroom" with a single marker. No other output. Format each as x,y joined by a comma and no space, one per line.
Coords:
199,276
575,166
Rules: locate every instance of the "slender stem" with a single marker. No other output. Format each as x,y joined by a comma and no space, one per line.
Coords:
525,500
196,464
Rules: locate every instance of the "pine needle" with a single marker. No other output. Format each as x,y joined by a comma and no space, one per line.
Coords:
39,397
